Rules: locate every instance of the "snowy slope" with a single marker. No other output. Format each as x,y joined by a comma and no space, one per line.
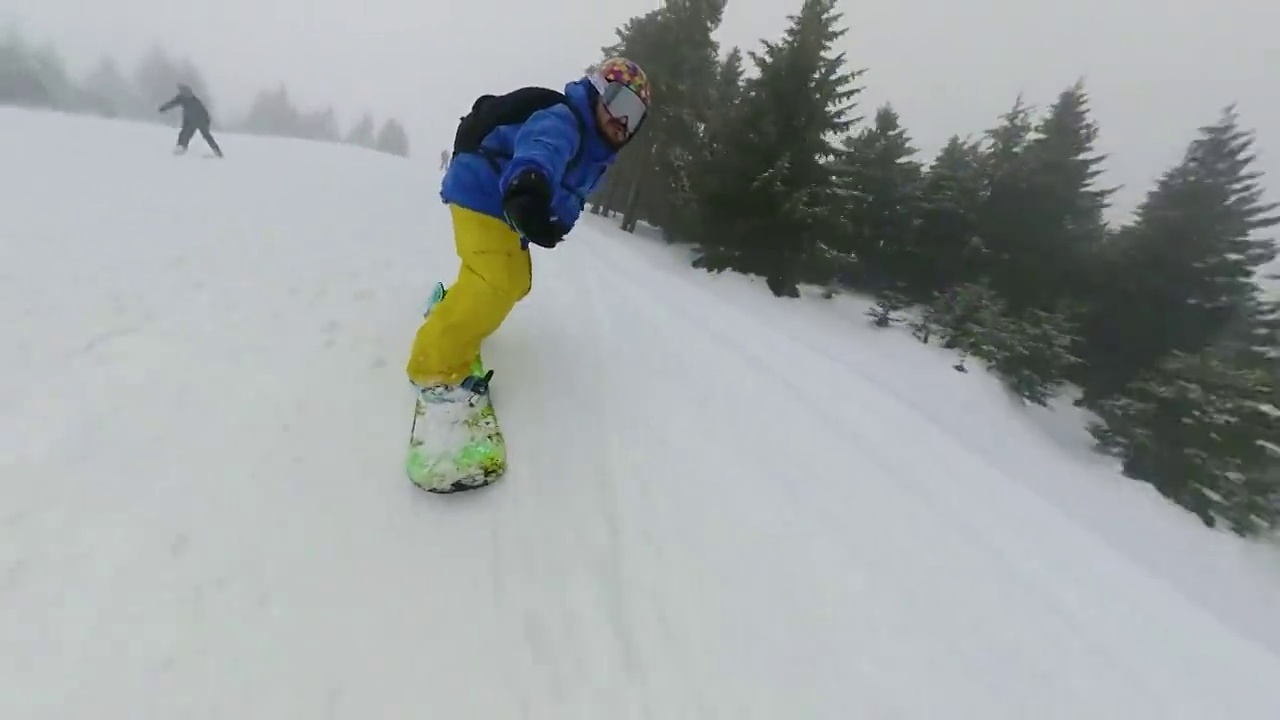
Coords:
717,508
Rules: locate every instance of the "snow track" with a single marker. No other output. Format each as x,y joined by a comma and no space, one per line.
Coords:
712,511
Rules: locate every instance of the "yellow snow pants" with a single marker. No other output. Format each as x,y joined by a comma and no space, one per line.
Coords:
496,273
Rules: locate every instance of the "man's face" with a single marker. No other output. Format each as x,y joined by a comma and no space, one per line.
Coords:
612,128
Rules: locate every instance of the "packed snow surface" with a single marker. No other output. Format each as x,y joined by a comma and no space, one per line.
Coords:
720,504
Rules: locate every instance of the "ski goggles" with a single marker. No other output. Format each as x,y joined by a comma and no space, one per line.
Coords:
622,103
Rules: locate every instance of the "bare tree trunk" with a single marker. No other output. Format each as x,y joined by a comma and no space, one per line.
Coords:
609,199
644,169
629,214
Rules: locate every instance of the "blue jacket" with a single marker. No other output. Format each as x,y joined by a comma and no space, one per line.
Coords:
547,142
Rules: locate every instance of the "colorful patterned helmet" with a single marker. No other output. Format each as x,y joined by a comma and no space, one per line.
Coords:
626,72
623,93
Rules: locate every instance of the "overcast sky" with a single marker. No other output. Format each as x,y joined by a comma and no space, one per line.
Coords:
1156,69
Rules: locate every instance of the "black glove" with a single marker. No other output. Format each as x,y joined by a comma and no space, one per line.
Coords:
527,205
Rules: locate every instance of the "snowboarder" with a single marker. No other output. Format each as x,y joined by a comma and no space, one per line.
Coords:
523,178
195,116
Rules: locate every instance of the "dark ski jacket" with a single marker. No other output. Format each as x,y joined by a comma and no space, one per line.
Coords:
194,113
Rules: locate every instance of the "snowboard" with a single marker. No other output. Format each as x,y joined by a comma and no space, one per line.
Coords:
455,442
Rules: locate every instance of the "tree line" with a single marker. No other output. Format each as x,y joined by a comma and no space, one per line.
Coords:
37,76
996,247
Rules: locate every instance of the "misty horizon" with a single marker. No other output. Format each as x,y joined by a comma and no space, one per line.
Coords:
1152,78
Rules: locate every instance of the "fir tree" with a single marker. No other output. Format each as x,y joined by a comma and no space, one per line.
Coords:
109,93
1043,213
764,198
675,47
966,317
951,198
362,132
1184,271
1007,142
1001,217
725,93
392,139
1032,352
1038,223
1184,352
1203,429
1068,206
728,82
880,184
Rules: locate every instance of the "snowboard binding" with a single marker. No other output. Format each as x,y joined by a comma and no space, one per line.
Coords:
477,386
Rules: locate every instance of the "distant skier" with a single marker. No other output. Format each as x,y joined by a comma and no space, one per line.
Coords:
195,116
444,159
523,166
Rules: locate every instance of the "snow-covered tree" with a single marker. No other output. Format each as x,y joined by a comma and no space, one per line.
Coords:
765,196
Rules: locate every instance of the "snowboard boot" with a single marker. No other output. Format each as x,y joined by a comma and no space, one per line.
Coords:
437,294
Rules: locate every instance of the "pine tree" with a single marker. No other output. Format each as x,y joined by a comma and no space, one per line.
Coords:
1184,271
1033,352
765,198
319,125
1043,213
951,197
1068,206
1004,170
695,158
32,76
1039,222
1007,142
1184,353
362,132
1203,429
724,98
881,185
966,317
675,47
729,75
272,113
109,93
392,139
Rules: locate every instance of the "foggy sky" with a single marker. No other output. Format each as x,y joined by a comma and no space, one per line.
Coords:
1155,69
